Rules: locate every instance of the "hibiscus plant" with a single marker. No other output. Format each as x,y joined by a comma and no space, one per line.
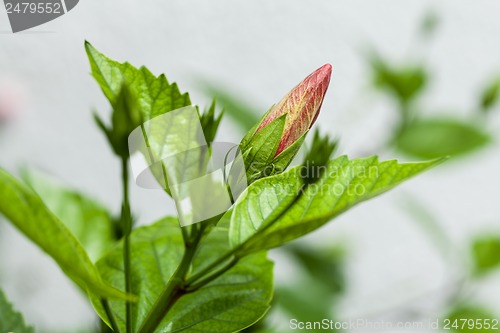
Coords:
204,275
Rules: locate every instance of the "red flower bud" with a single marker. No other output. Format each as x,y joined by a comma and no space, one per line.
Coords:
301,105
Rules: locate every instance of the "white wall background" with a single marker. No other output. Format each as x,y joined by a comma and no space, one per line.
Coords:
260,48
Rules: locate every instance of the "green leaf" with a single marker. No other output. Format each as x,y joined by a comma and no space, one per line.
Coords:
281,162
305,301
435,138
465,315
230,303
156,95
324,264
125,118
26,211
278,209
430,23
490,96
210,123
405,83
318,156
90,222
261,148
486,254
10,319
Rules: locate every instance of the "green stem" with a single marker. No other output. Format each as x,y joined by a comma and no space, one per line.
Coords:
212,266
186,235
234,252
178,285
174,289
195,286
111,316
126,220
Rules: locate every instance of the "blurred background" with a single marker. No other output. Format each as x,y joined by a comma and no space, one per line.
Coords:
412,80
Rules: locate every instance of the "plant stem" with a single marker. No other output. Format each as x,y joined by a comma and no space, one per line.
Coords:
185,235
174,289
111,317
126,220
212,266
268,222
195,286
178,286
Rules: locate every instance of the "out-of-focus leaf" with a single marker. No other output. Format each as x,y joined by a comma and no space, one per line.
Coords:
486,254
271,212
490,96
244,115
430,23
90,222
467,319
404,83
306,303
229,303
325,264
27,212
10,319
435,138
429,223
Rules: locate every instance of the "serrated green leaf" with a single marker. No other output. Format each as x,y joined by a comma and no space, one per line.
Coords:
435,138
318,155
125,118
486,254
156,95
271,211
26,211
230,303
210,122
10,319
91,223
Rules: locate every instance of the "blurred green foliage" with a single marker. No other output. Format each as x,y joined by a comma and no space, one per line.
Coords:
91,223
486,254
312,294
430,23
490,96
402,83
431,138
426,137
468,318
417,135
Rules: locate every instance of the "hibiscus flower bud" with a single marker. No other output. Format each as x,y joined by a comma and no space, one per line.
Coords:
273,143
301,106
